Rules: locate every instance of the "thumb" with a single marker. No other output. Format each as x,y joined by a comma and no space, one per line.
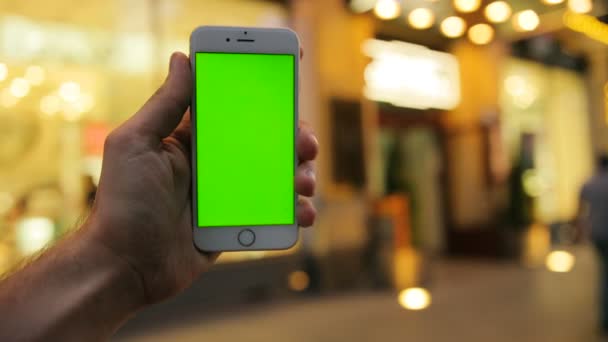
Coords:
165,109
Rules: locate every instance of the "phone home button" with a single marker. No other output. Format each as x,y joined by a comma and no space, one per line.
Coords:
246,237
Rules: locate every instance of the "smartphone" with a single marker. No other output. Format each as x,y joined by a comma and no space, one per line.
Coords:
244,124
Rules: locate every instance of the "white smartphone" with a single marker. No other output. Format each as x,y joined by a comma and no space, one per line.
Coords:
244,125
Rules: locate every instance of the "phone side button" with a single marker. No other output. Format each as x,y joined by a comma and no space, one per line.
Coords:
246,237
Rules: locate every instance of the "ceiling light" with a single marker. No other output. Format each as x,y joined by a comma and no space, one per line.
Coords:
481,34
467,6
526,20
421,18
498,12
580,6
453,27
552,2
387,9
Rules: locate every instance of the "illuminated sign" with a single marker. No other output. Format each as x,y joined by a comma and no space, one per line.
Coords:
412,76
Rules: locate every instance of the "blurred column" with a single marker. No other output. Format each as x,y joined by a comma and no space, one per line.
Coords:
332,68
598,95
470,198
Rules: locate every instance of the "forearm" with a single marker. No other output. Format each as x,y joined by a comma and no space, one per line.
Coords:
76,291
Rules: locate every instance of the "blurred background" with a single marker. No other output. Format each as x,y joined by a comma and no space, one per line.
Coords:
455,138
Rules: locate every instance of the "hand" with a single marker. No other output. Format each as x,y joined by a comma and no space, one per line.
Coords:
142,212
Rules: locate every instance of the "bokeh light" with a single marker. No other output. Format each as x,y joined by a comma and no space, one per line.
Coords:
85,103
552,2
3,71
481,34
33,234
467,6
421,18
20,87
298,281
526,20
69,91
453,27
414,298
498,12
560,261
580,6
387,9
50,105
35,74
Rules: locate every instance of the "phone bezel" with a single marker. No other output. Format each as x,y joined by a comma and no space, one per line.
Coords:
265,41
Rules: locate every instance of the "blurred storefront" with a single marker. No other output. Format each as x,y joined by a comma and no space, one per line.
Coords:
510,151
69,73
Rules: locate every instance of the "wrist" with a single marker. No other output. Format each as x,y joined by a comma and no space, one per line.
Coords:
123,280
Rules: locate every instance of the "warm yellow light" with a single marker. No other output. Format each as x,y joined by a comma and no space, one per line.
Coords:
298,281
69,91
360,6
71,112
467,6
560,261
498,12
33,234
20,87
523,93
453,27
421,18
533,183
3,71
415,298
552,2
85,103
7,99
580,6
526,20
50,105
34,74
481,34
387,9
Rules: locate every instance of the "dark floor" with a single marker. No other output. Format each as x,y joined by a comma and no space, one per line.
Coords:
472,301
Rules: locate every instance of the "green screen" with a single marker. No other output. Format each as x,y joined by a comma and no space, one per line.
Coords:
244,139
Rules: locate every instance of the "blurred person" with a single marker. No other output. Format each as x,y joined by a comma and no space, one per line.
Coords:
593,223
135,249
